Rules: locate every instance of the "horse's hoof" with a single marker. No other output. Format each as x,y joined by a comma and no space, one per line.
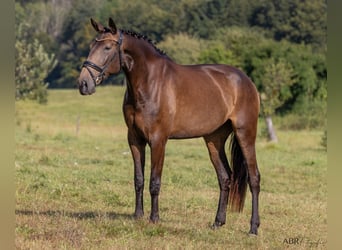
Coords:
217,225
154,219
138,216
253,233
254,230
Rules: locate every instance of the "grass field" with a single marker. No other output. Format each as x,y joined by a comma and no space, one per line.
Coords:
74,185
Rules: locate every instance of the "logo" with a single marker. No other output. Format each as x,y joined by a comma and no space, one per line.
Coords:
304,241
293,241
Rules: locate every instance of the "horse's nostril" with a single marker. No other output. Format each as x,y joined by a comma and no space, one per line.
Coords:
83,87
84,84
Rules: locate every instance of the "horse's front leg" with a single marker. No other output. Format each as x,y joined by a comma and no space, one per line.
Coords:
157,160
137,146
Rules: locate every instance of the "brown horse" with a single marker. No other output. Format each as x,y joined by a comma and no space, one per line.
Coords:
165,100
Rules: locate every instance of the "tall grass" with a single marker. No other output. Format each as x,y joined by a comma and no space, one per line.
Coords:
74,185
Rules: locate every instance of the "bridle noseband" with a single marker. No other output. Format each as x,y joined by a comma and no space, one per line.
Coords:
88,64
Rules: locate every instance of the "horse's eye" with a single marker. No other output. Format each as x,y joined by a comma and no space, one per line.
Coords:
108,47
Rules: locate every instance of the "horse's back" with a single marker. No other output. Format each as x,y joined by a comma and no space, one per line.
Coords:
230,80
206,96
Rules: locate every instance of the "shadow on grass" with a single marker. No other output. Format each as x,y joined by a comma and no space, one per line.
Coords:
139,228
78,215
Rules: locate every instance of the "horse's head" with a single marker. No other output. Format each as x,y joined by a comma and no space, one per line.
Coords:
104,57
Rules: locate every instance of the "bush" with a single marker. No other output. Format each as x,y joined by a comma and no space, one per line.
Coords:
32,65
294,121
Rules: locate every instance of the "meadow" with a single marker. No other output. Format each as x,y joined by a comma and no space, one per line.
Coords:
74,184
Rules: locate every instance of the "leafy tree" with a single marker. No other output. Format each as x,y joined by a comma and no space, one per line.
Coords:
32,64
77,35
253,53
227,13
156,19
203,18
278,76
218,54
238,41
183,48
305,64
299,21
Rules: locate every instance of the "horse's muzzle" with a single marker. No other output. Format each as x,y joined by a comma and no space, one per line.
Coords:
85,89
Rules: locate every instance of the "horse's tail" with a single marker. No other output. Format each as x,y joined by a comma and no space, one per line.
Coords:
238,185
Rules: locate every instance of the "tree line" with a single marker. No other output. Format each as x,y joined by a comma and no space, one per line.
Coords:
280,44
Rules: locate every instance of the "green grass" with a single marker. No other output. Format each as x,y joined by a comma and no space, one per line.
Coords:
74,185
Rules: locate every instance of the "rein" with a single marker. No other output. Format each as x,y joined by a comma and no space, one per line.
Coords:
102,70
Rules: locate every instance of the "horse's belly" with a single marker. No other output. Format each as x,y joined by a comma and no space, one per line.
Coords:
202,114
197,124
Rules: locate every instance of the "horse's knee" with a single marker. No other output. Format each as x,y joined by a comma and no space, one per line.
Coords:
154,186
139,183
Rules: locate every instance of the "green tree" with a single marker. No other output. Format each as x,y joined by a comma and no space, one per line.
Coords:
202,18
77,34
251,51
308,67
183,48
278,77
156,19
299,21
32,63
239,41
217,53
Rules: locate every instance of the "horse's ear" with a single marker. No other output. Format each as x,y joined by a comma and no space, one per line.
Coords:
97,26
112,25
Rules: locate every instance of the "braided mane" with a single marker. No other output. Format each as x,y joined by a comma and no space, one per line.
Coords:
145,38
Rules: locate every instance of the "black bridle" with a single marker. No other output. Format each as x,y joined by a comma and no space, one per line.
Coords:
88,64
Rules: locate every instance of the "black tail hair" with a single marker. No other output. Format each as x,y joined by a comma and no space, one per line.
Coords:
239,177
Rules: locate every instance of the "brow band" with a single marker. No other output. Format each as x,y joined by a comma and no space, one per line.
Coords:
105,39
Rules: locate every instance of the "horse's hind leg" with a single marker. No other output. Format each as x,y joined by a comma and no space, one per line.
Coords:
246,136
215,143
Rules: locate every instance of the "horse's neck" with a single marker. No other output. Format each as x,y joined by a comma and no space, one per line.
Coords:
142,86
145,61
